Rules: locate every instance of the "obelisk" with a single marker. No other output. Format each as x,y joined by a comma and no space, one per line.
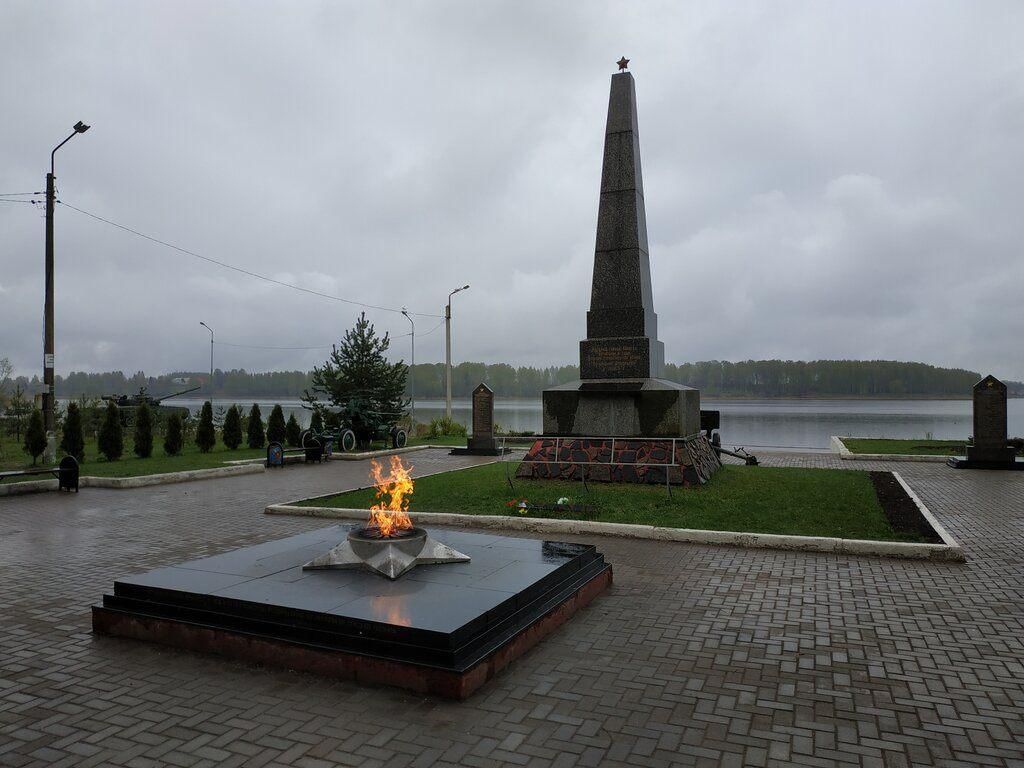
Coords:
619,393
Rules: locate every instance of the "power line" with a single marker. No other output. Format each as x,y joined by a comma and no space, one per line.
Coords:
18,194
33,202
240,269
258,346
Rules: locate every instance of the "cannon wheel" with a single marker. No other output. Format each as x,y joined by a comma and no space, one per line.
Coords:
399,438
347,441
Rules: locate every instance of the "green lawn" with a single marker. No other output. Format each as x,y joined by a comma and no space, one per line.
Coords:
808,502
131,465
913,447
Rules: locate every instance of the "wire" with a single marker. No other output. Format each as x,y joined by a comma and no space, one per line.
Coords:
33,202
18,194
240,269
257,346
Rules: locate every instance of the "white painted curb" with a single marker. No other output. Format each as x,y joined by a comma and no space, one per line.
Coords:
28,486
838,446
948,551
167,478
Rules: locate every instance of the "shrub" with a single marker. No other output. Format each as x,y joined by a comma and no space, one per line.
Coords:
255,434
143,436
172,437
293,431
277,432
206,437
232,434
35,435
72,440
316,422
444,426
111,437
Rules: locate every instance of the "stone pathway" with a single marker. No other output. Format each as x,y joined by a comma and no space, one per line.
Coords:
697,656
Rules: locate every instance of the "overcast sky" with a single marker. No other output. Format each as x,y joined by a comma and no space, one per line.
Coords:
822,180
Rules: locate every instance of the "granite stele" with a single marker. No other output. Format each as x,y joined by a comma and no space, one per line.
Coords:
620,393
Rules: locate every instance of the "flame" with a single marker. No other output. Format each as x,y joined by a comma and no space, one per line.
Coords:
393,491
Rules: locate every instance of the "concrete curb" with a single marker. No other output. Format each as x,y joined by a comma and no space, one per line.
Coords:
167,478
385,452
838,446
28,486
948,551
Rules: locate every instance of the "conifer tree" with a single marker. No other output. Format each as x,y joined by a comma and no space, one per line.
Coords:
35,435
111,437
316,422
293,431
143,432
72,440
277,431
232,432
173,438
255,436
206,436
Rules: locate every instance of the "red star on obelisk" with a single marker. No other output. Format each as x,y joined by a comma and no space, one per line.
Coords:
623,63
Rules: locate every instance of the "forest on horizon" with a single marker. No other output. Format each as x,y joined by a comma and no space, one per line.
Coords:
750,378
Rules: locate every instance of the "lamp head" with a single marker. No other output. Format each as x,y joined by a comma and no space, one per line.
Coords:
81,127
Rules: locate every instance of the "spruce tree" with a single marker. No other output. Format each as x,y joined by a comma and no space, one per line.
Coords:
316,422
277,431
255,436
72,440
232,432
35,435
293,431
143,432
206,436
111,437
172,438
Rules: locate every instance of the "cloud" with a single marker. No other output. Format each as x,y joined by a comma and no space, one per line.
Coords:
821,181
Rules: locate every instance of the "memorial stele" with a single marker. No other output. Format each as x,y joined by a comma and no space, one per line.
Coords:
620,392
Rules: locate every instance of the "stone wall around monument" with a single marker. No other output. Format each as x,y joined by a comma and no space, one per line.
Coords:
613,408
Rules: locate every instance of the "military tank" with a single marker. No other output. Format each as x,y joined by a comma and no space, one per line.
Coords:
128,405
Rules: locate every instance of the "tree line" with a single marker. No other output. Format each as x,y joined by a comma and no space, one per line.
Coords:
749,378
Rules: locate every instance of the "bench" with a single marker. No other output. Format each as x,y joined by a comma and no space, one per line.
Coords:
313,449
66,473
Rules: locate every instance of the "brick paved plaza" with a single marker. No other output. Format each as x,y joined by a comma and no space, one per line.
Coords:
698,655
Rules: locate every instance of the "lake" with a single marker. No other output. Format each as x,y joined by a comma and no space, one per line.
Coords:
766,423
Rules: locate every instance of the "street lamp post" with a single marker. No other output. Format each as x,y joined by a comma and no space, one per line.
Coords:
448,352
412,374
211,359
49,395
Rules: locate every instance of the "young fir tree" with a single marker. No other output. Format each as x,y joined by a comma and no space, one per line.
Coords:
255,435
277,431
206,436
293,431
232,432
173,438
143,432
316,422
358,378
110,440
35,436
72,440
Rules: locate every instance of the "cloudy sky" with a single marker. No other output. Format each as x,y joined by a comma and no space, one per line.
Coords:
823,180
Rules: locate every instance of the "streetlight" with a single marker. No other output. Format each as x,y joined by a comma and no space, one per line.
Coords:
448,351
49,396
412,373
211,359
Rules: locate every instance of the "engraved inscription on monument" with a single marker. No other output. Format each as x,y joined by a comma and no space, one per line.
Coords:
990,445
615,358
483,413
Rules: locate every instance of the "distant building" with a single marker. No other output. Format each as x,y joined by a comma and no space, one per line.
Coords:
182,380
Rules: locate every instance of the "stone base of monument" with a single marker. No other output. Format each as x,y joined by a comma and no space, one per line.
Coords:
479,448
687,462
621,408
439,629
998,459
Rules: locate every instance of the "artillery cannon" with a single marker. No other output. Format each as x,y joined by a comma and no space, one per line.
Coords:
128,405
358,423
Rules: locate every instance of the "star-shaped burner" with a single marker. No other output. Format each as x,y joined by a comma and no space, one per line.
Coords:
389,556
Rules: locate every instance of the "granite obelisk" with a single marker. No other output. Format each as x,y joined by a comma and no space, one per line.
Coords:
619,393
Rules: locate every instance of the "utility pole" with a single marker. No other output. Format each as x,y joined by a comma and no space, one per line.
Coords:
412,375
448,352
50,393
211,360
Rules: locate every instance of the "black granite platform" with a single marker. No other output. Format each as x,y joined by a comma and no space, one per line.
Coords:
449,618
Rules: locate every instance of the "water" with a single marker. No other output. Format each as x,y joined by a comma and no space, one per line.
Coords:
778,423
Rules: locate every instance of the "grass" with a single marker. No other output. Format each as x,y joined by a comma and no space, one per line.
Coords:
805,502
130,465
911,447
